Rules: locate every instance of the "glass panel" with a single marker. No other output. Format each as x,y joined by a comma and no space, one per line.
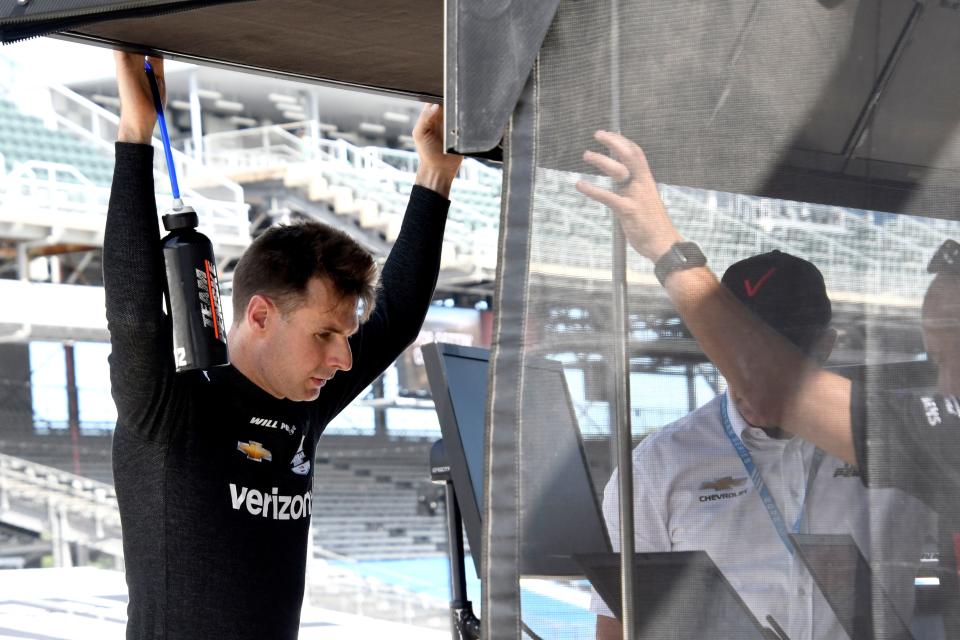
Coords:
795,461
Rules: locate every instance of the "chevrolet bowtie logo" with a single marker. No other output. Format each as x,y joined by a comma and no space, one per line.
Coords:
723,484
254,451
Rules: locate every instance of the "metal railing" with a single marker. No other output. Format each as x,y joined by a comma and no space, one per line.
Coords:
861,253
372,174
61,194
66,507
99,126
56,198
265,145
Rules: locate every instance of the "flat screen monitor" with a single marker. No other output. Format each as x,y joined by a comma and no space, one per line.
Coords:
682,596
560,515
846,581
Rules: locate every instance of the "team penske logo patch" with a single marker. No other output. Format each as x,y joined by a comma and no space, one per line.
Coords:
723,488
273,505
300,465
254,451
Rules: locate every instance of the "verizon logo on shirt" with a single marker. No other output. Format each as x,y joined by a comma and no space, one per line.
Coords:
271,505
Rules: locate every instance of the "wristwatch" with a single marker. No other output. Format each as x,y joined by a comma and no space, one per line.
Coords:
682,255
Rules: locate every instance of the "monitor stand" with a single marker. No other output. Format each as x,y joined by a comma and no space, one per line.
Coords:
465,625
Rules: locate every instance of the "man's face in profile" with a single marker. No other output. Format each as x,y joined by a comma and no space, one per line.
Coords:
304,348
940,321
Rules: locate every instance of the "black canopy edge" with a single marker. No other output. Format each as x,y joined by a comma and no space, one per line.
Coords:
16,28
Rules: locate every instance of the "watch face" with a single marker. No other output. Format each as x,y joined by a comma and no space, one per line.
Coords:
682,255
690,254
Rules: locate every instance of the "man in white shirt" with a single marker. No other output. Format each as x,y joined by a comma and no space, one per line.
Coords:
694,486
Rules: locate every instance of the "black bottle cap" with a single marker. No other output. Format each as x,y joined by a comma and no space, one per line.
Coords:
183,218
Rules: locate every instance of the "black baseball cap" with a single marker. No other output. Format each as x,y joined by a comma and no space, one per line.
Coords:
787,292
946,259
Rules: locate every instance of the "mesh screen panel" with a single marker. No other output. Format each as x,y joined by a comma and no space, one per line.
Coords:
823,130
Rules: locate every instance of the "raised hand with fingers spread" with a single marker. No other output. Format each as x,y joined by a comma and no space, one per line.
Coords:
635,201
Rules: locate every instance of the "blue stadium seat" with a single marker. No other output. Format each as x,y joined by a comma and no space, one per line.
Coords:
24,137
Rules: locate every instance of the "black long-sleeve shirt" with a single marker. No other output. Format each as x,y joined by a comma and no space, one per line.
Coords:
911,441
213,475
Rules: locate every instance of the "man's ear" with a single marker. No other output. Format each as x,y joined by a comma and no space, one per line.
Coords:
259,309
824,345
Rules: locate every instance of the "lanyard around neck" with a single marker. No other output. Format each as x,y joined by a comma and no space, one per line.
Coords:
772,510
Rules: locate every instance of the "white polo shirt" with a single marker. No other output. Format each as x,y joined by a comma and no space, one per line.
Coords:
692,492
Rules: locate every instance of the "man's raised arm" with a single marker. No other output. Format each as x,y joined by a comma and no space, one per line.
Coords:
776,380
141,363
410,272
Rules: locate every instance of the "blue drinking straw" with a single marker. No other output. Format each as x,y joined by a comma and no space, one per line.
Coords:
164,136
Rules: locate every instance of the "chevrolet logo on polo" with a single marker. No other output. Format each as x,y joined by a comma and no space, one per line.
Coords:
254,451
723,484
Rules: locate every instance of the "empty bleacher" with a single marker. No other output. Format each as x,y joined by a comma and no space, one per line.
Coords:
21,549
76,514
365,500
850,247
56,166
24,137
365,496
368,186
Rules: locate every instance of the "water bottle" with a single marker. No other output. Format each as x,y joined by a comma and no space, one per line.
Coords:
193,294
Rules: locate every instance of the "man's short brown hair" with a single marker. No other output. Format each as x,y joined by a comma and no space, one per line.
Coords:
281,262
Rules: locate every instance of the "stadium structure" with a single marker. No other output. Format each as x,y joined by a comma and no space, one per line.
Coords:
253,152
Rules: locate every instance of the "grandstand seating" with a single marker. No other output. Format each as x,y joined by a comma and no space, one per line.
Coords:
55,450
64,508
54,182
365,503
851,247
367,185
24,137
365,500
19,549
471,225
